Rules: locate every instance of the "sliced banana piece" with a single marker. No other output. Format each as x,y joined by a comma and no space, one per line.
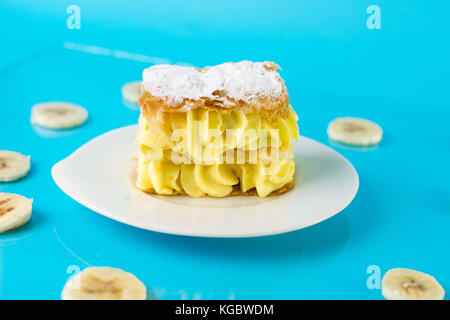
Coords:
408,284
58,115
132,91
355,131
13,165
15,211
104,283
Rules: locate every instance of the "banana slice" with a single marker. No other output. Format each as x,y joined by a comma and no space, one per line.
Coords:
58,115
104,283
131,91
15,211
355,131
13,165
408,284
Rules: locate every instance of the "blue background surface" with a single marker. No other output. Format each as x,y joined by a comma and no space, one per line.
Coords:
333,65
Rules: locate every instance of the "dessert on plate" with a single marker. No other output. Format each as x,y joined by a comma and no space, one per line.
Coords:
218,131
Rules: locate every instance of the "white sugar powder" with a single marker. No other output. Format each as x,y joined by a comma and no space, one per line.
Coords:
245,80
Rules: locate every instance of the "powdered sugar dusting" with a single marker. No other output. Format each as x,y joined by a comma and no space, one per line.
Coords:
245,80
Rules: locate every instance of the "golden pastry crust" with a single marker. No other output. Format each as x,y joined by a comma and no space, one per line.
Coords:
236,191
268,107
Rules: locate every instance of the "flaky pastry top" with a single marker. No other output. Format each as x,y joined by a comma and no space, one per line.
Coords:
251,87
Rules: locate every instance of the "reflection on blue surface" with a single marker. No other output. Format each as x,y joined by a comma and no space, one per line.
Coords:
333,65
51,133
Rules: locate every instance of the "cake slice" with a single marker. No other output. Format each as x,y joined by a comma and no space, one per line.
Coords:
219,131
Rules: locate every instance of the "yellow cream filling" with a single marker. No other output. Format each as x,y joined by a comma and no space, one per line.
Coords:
215,180
205,135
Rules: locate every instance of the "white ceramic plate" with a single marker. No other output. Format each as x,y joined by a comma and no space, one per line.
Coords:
100,175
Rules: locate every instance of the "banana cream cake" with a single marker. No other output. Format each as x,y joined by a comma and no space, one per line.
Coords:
218,131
